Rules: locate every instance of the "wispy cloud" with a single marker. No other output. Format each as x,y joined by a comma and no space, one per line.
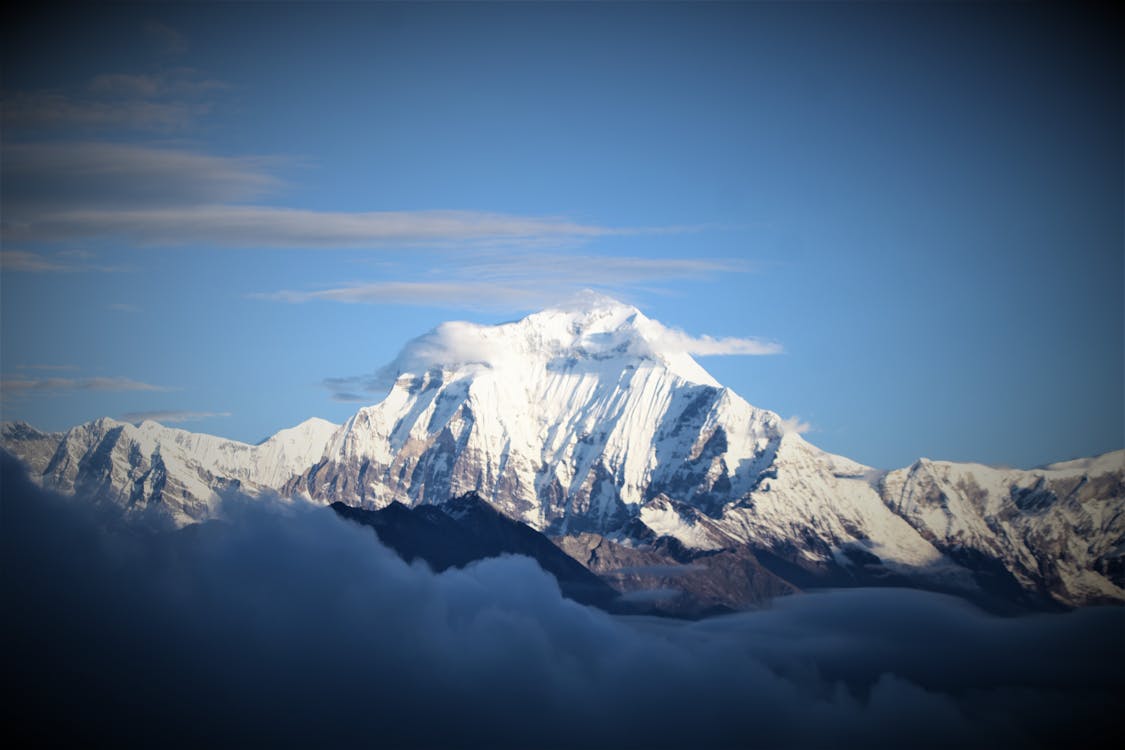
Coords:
707,346
509,266
521,281
178,82
22,261
174,416
154,196
348,397
26,386
165,101
458,294
43,181
47,367
53,110
271,226
794,425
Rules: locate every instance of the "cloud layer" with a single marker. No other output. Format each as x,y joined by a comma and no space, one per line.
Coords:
287,625
158,196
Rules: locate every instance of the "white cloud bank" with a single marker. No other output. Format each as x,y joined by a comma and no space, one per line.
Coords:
289,625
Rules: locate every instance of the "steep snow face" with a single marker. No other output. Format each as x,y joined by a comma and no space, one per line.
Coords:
1059,529
161,472
819,506
568,419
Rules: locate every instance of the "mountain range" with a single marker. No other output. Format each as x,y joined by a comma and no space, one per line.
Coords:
592,425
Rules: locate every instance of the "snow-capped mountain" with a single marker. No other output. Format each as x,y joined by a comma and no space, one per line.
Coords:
592,418
569,419
1058,530
162,472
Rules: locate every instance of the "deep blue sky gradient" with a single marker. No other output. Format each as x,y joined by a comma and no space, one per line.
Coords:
921,203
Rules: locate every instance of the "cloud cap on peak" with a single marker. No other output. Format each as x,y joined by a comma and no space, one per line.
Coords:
590,327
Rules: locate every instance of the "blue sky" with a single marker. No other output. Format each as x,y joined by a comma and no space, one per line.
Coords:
210,209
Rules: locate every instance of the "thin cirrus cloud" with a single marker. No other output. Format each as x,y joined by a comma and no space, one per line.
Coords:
171,416
179,82
23,261
47,367
168,101
51,110
519,280
591,268
44,182
458,294
17,387
272,226
158,196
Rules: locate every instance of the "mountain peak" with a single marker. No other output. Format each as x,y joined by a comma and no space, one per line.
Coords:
590,304
591,328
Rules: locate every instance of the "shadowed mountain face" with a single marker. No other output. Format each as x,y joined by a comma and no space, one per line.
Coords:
665,578
593,420
467,529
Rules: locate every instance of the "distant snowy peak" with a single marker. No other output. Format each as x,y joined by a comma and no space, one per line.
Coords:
1060,528
152,470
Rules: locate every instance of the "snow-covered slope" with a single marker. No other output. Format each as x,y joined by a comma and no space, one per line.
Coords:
594,418
569,419
1059,530
162,472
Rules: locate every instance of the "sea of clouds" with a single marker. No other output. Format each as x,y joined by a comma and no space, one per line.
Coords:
286,625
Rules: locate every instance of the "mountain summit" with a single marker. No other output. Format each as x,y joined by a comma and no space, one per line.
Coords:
569,419
592,419
591,328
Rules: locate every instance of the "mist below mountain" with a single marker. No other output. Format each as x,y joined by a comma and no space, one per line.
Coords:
285,624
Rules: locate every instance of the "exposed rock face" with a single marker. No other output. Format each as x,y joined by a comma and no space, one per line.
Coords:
667,578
